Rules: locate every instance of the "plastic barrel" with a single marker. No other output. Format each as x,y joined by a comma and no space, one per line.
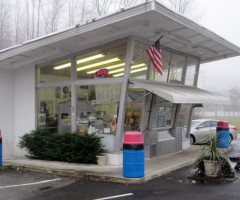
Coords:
133,155
223,134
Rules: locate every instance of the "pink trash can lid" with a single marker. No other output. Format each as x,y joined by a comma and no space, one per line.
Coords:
223,124
133,137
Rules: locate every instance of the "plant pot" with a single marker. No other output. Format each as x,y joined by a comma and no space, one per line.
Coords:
102,160
212,168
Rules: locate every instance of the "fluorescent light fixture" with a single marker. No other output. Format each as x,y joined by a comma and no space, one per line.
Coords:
122,69
62,66
132,71
90,58
173,36
109,67
205,50
98,64
80,61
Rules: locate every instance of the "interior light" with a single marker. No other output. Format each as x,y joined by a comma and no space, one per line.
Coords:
98,64
80,61
132,71
122,69
90,58
109,67
62,66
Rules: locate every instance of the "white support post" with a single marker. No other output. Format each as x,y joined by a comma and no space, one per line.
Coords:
123,97
73,95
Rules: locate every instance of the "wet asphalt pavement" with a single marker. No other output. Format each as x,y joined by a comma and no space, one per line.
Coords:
173,186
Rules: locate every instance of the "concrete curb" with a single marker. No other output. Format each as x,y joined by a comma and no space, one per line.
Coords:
97,176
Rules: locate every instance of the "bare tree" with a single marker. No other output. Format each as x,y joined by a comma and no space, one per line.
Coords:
38,10
188,8
5,24
102,6
51,14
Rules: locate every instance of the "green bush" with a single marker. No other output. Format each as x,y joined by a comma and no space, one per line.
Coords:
68,147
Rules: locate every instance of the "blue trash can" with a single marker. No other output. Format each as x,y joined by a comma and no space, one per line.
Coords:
0,148
223,134
133,155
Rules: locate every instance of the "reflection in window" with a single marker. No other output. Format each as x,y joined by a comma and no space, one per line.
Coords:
111,58
165,63
59,71
191,70
177,63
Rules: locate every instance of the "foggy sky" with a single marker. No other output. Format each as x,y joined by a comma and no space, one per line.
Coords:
221,17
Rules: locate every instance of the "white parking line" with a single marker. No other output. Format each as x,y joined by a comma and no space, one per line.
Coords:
27,184
117,196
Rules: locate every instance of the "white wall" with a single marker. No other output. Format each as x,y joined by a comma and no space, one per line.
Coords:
7,111
24,104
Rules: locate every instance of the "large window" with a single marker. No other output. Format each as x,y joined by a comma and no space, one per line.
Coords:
140,62
191,70
165,64
95,64
52,114
55,72
176,68
97,108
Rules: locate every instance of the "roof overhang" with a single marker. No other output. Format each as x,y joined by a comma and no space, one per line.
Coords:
181,94
147,21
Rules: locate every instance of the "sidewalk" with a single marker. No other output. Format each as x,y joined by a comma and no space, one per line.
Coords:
153,168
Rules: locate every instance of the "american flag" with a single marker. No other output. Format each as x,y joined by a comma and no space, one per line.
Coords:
155,54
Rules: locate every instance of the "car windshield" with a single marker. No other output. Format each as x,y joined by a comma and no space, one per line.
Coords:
195,123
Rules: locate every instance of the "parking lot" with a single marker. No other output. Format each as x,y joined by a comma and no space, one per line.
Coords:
18,185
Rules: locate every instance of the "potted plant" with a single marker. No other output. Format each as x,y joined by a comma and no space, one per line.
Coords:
212,161
102,159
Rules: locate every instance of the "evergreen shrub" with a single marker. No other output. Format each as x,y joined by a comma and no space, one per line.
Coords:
67,147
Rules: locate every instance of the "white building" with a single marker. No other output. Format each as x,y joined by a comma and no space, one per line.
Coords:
49,82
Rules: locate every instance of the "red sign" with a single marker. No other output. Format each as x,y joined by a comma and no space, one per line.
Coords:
101,73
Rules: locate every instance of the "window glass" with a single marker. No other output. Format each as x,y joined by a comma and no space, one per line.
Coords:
53,107
140,61
165,64
177,63
191,70
205,124
107,62
162,113
55,72
213,124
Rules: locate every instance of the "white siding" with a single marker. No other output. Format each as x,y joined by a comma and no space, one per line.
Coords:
7,111
24,104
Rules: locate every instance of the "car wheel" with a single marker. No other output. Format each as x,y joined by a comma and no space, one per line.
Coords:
192,139
231,138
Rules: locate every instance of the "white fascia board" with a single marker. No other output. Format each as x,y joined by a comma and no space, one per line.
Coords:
194,26
76,31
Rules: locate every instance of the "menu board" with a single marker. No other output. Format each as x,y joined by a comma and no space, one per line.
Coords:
107,94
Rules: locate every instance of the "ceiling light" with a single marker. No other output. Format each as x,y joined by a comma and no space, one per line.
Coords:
79,61
122,69
90,58
98,63
132,71
62,66
109,67
173,36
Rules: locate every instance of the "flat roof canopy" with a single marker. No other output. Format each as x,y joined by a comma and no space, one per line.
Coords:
148,21
181,93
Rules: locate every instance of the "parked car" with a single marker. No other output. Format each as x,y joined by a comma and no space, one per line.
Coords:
202,129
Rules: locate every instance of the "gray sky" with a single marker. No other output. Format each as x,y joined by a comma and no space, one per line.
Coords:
221,17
